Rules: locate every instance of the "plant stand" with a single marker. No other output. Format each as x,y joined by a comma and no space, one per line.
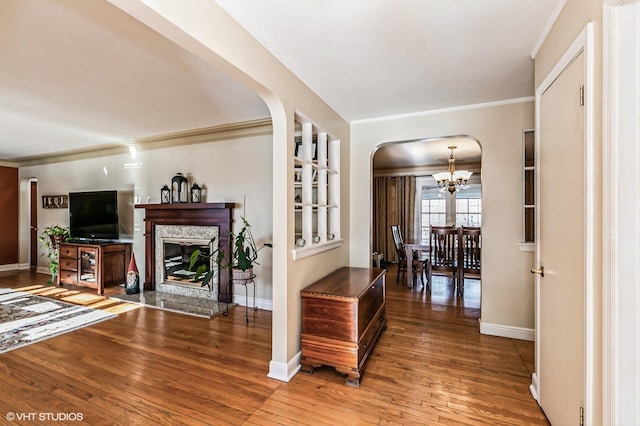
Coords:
245,282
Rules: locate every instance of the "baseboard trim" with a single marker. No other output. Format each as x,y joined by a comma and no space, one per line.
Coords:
24,266
511,332
9,267
43,270
284,372
533,388
264,304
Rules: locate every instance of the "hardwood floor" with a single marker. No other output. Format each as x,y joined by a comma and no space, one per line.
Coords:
431,366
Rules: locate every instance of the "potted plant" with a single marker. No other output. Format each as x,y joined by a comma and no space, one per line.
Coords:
51,238
243,255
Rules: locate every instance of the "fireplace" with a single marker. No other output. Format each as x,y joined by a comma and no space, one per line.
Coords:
188,224
176,259
174,245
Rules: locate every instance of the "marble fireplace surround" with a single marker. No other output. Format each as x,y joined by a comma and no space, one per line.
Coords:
188,220
183,233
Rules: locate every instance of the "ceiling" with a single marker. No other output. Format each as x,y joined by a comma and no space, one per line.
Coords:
78,74
425,154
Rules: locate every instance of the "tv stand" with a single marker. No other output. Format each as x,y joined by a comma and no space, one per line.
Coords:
91,242
95,265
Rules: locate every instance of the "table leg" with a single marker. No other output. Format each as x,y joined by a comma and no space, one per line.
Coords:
409,255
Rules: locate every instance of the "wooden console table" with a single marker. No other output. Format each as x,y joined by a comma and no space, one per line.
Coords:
343,315
94,265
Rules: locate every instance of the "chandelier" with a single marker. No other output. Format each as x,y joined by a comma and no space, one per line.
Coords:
453,180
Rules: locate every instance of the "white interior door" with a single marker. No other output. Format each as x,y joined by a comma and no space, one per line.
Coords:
561,248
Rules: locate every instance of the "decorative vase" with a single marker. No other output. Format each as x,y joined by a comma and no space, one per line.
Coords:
239,274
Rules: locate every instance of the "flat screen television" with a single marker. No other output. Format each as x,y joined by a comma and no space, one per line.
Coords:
93,215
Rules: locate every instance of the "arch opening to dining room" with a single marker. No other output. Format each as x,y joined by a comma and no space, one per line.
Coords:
405,193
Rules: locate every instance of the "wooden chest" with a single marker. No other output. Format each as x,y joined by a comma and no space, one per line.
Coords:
343,315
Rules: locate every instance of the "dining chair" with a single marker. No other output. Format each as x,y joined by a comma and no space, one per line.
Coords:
400,253
444,252
469,254
419,263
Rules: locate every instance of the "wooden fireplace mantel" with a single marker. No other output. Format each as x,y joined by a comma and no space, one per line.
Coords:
187,214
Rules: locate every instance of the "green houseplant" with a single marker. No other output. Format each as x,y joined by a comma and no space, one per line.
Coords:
51,237
243,255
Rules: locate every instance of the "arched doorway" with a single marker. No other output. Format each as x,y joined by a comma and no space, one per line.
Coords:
405,194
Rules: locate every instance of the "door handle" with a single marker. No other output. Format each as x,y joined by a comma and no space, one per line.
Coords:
538,271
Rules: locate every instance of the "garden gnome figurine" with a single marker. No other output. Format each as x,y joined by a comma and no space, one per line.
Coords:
133,277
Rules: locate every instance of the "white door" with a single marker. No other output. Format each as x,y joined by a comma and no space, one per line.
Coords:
561,364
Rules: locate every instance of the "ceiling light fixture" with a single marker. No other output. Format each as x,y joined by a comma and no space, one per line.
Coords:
453,180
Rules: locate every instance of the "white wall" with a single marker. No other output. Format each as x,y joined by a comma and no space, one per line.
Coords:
229,170
507,285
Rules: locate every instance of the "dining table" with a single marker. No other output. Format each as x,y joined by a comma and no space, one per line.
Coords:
409,249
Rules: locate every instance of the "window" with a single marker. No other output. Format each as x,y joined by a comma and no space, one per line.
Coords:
437,208
468,211
316,183
433,212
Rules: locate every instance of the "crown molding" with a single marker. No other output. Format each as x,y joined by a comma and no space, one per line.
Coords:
425,170
445,110
547,28
259,127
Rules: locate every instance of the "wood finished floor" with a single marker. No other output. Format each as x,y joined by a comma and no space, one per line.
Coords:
150,367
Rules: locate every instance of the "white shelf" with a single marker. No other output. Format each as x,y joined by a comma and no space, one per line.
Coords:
317,192
312,249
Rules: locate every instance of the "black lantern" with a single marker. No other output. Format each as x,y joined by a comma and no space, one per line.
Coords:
196,193
165,195
179,189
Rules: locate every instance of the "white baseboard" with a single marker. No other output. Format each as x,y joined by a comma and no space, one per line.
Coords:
284,372
43,270
533,388
9,267
507,331
24,266
264,304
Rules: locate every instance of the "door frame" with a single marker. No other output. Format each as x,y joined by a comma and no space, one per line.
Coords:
33,223
583,43
621,204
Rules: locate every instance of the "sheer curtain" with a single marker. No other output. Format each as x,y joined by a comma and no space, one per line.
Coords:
394,200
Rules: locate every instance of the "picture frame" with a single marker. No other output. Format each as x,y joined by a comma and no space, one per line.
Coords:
55,201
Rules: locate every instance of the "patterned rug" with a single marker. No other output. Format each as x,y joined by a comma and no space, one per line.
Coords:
26,318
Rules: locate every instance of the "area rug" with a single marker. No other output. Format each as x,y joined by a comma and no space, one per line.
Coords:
26,318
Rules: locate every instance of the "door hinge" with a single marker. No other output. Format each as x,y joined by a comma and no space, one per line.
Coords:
581,416
582,95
